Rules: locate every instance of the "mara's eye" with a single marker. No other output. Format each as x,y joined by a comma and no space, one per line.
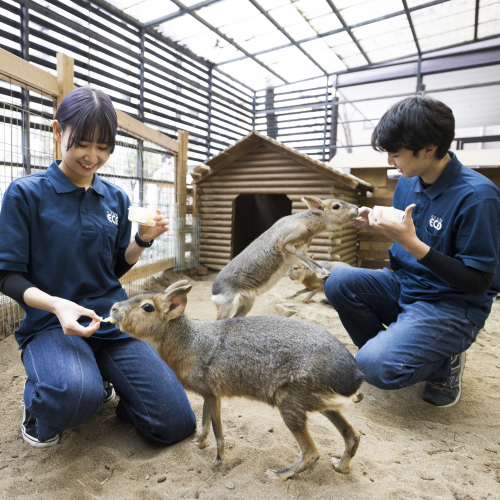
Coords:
149,308
336,206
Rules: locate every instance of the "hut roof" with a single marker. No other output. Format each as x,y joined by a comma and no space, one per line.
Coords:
255,139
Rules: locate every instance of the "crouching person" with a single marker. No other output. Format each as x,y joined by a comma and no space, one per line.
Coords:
65,243
414,323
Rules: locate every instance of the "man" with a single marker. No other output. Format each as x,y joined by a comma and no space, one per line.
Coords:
414,323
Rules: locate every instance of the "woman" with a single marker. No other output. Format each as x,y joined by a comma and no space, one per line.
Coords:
65,243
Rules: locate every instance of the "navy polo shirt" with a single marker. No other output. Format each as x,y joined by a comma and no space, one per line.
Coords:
65,241
458,215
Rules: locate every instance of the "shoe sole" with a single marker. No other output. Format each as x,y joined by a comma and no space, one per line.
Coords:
110,397
453,403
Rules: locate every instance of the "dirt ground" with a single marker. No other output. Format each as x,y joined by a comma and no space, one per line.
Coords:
409,449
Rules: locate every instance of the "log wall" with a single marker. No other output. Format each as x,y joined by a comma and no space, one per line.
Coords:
265,171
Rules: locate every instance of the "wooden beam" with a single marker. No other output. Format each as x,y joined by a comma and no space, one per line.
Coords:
144,271
66,83
139,129
27,75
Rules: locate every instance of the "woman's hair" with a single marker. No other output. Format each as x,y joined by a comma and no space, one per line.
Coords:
415,123
91,116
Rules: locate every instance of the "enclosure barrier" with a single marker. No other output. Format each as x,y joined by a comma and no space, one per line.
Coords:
148,165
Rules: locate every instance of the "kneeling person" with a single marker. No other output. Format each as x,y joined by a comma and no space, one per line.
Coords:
414,323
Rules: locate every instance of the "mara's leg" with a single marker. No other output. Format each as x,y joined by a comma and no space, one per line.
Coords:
311,264
213,404
224,310
304,290
351,439
312,294
297,423
201,440
244,306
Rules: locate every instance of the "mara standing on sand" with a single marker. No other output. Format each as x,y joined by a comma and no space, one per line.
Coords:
65,242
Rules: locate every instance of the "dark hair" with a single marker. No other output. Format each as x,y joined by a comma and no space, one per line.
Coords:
415,123
86,111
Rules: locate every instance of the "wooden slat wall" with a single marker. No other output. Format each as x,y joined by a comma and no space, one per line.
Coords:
264,171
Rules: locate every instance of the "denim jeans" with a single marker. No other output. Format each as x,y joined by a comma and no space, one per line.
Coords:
399,344
65,385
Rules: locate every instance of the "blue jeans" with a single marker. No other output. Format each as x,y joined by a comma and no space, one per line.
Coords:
65,385
399,344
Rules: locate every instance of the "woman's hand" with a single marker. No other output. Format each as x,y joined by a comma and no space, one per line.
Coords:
148,233
363,212
403,233
68,313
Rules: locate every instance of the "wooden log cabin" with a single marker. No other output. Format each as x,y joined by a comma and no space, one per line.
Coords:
241,192
372,167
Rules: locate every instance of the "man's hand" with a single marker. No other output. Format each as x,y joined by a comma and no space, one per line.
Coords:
402,232
148,233
68,313
363,212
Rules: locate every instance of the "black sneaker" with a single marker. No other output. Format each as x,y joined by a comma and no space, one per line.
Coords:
110,391
28,429
447,393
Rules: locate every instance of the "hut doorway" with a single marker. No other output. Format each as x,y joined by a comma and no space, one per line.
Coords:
254,214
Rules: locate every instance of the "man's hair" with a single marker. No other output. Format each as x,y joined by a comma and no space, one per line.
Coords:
88,111
415,123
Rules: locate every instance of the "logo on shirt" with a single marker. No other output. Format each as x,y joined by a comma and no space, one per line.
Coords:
112,217
436,222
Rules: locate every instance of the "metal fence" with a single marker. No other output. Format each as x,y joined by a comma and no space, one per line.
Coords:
145,171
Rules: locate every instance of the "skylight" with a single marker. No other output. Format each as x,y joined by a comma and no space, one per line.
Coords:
285,41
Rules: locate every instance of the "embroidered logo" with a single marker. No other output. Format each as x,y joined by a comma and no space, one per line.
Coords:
436,222
112,217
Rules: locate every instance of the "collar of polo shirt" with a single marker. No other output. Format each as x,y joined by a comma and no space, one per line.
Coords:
63,185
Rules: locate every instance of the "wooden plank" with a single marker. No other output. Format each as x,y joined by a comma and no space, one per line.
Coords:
373,254
218,216
210,241
141,272
25,74
265,182
318,192
375,236
222,223
373,263
217,255
375,176
196,202
257,170
211,260
245,161
139,129
371,202
374,245
201,169
216,210
66,83
265,176
219,203
217,197
216,228
216,236
214,248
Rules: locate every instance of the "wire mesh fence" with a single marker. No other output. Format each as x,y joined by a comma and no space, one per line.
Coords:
145,171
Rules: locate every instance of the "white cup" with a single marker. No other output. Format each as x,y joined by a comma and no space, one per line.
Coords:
389,214
141,215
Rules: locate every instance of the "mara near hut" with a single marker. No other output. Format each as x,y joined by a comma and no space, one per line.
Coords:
241,192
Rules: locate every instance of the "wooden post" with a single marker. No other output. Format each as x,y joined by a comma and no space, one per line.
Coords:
181,172
181,195
65,79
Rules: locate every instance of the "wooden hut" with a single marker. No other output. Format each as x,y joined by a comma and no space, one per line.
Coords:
244,190
372,167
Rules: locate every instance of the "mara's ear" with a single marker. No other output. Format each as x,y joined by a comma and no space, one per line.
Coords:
175,302
177,284
315,204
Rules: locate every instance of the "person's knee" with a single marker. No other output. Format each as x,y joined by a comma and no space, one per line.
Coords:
338,284
69,403
379,370
172,426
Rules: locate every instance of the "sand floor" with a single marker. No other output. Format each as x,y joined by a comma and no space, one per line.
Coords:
409,449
